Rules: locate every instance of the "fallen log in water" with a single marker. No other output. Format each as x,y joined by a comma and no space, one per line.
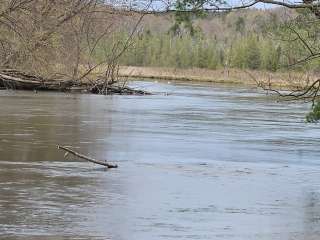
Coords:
18,80
99,162
114,89
14,79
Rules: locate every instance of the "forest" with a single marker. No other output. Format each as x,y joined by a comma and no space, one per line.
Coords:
255,39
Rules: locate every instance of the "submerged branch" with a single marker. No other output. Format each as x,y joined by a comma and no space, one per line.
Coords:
89,159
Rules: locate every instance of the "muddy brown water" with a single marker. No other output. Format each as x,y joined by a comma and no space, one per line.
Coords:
195,162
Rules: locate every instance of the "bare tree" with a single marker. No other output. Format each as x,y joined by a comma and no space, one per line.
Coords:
60,39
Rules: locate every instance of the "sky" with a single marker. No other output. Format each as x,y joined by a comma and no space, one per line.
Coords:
162,4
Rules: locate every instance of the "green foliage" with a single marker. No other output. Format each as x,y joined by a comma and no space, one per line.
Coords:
314,115
237,53
270,56
252,54
246,53
166,50
187,51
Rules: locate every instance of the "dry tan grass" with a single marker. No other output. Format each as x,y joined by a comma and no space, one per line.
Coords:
228,76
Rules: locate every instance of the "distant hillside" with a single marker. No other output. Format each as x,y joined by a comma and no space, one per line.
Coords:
225,25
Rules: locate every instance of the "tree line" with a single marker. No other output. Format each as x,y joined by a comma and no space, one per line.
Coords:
247,42
248,52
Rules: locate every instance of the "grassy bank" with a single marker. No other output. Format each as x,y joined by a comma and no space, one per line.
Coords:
227,76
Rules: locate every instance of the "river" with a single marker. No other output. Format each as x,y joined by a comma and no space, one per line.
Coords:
195,162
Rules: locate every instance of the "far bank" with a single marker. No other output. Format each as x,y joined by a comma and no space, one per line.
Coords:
279,80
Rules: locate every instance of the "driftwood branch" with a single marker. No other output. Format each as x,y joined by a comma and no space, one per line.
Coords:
79,155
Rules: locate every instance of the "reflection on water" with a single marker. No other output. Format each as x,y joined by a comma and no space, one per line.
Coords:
200,163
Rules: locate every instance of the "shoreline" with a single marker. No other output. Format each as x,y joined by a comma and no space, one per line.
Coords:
289,80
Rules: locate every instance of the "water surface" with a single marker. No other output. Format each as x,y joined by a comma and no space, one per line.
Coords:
196,162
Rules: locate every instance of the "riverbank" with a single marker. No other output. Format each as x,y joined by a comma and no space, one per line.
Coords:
226,76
